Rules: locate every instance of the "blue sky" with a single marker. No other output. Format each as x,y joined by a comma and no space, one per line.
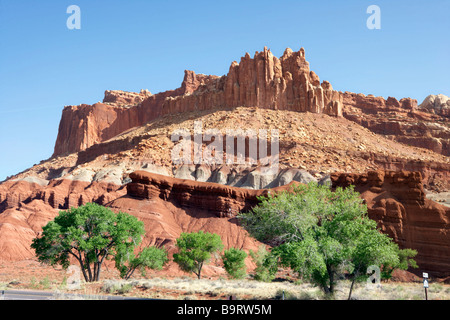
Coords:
133,45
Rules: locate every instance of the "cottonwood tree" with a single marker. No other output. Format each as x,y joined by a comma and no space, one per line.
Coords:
234,262
266,264
90,234
320,233
150,257
372,248
195,249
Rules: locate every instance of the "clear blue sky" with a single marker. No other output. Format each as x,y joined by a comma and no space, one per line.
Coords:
133,45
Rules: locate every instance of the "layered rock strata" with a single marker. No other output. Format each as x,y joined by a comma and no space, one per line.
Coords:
169,206
263,81
396,200
221,200
425,126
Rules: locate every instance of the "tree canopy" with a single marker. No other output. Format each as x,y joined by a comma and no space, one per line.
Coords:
234,262
321,233
150,257
89,233
194,249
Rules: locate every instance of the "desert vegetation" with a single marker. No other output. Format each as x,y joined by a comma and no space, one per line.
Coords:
191,288
323,237
92,233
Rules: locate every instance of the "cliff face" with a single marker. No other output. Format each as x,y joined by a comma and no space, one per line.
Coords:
125,98
221,200
169,206
263,81
27,206
396,200
58,193
286,83
425,126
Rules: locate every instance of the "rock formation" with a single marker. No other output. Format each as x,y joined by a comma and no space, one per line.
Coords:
396,200
425,126
169,206
125,98
26,206
263,81
220,200
437,104
58,193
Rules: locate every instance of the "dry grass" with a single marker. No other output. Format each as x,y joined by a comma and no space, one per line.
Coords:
190,288
187,288
393,291
243,289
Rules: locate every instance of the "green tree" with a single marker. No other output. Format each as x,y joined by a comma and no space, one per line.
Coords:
195,249
234,262
320,233
266,264
89,233
405,262
150,257
371,248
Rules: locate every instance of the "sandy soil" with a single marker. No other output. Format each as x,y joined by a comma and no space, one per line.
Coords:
31,275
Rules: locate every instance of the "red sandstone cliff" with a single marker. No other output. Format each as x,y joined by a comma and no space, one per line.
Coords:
402,120
396,200
263,81
220,200
125,98
169,206
26,207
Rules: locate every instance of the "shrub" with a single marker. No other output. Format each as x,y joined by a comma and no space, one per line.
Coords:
234,263
195,249
266,264
150,257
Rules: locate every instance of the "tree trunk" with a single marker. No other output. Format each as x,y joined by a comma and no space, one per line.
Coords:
326,289
95,271
103,255
200,270
80,261
351,287
83,271
331,278
88,267
129,274
99,267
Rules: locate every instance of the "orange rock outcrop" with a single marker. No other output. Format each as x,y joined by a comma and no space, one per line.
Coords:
396,200
263,81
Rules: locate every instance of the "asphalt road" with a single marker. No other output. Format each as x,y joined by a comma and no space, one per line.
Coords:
43,295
